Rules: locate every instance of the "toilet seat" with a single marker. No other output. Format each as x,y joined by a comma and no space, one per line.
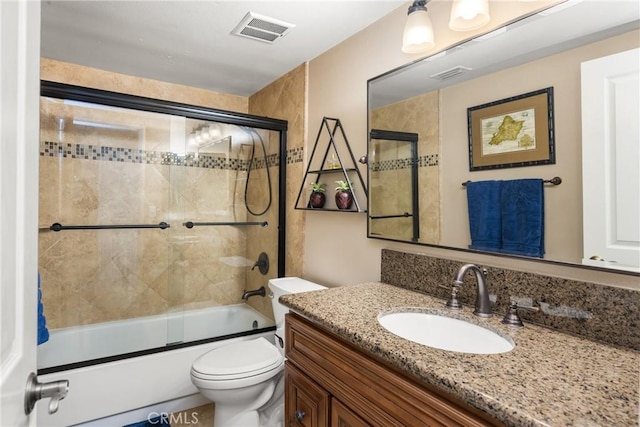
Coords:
239,360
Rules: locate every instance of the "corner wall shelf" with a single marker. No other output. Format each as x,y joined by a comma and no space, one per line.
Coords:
337,164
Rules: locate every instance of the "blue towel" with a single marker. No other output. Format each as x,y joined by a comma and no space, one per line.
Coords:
522,211
483,200
43,332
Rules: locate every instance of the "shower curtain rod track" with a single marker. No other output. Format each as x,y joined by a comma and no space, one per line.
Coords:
59,227
163,225
190,224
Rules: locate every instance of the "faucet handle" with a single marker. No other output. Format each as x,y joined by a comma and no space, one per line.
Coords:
453,303
512,318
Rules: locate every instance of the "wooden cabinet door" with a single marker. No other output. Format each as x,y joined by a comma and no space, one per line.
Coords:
341,416
306,403
354,378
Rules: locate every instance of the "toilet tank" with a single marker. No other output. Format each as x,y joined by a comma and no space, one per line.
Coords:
284,286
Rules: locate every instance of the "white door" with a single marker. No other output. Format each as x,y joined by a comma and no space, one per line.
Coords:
611,160
19,129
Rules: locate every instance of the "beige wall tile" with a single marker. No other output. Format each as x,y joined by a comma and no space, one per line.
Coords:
96,276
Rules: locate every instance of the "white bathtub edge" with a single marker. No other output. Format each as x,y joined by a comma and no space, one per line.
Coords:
108,389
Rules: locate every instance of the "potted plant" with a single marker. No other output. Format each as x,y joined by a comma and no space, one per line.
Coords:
344,196
317,198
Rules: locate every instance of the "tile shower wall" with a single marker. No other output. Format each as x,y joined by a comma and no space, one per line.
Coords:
603,313
130,176
283,99
402,117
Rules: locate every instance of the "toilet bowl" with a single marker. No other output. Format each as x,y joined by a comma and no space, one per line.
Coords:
245,378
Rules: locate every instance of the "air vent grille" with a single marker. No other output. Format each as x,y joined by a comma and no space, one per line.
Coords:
451,72
257,34
262,28
268,26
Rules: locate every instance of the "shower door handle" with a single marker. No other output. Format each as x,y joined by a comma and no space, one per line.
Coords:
56,390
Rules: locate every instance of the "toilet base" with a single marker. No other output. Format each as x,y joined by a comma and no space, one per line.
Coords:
267,410
243,419
273,419
272,414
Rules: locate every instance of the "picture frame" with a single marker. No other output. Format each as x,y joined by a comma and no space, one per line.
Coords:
512,132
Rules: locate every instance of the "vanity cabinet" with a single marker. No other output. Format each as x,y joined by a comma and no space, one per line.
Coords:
307,404
342,416
330,382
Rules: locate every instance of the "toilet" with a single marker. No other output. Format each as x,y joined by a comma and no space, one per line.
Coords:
245,378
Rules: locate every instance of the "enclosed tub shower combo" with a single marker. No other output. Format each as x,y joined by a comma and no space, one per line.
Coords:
155,219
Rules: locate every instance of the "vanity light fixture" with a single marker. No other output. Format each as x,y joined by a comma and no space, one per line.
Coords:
468,15
418,31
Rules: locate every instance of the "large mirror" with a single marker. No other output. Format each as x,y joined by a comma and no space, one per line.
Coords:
433,97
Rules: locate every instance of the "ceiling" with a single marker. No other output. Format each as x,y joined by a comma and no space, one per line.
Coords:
190,42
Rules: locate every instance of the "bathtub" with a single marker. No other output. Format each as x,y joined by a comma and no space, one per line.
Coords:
83,343
146,380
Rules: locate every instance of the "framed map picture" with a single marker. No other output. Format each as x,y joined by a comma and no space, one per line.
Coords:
512,132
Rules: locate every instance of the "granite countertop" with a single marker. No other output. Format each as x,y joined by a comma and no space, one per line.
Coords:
549,378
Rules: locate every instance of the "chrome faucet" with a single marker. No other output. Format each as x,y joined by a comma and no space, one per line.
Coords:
258,292
483,304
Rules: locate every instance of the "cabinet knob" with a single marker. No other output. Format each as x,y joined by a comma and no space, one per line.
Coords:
300,415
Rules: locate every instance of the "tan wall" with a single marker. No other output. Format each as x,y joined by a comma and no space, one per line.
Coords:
337,251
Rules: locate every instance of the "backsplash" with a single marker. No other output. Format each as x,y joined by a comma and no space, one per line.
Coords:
602,313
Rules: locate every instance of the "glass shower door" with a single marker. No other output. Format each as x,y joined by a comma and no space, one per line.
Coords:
104,228
151,223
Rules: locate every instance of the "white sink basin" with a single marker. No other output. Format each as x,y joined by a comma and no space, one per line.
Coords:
445,333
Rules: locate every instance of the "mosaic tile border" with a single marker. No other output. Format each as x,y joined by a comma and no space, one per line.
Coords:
428,160
130,155
397,164
295,155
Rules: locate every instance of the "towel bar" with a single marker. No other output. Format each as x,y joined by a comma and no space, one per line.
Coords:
402,215
191,224
58,227
556,180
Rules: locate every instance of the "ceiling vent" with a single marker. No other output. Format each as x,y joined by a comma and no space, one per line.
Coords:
263,28
451,72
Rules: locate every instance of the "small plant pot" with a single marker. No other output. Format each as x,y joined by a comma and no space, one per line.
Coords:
317,200
344,199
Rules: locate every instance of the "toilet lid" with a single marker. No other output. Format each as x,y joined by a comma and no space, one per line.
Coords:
238,360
